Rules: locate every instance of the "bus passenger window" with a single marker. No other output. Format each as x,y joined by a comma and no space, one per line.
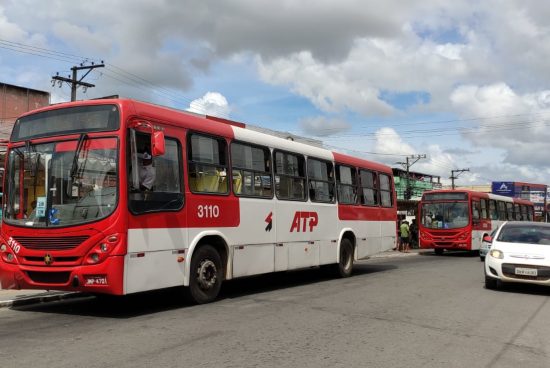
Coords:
251,170
369,188
207,165
385,191
290,176
346,184
321,180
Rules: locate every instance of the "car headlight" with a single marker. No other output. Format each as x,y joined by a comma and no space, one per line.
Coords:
495,253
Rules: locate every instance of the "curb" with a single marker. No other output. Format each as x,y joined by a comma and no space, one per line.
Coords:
39,298
394,254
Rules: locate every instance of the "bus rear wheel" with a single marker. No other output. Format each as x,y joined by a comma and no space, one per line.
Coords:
205,276
344,267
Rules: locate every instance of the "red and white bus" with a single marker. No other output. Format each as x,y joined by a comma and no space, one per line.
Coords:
459,219
227,202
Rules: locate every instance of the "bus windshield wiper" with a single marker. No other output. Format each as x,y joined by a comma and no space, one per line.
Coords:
77,151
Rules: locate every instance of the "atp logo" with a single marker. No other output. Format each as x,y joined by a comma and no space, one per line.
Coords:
303,220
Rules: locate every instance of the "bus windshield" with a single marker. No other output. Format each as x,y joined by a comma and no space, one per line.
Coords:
445,215
61,183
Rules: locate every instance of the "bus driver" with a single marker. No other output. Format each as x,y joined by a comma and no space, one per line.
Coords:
147,172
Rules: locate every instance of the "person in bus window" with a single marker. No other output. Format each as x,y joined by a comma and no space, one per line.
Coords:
147,172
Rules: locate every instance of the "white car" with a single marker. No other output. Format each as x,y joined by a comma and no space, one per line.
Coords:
520,252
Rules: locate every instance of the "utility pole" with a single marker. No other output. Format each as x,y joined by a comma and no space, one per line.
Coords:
74,81
407,165
453,177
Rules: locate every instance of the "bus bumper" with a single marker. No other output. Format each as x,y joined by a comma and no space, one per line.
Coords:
105,277
445,244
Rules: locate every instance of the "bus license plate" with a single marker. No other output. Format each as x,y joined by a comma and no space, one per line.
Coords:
526,271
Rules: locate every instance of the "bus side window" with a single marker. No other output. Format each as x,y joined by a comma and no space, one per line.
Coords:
517,212
369,188
484,212
167,192
475,210
493,209
321,180
207,164
346,181
501,206
290,176
251,170
386,198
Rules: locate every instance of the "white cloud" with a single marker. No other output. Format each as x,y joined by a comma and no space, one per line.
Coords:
322,126
389,142
518,124
212,103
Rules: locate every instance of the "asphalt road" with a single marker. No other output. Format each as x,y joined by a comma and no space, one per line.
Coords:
416,311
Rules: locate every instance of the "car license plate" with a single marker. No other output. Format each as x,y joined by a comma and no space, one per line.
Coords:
526,271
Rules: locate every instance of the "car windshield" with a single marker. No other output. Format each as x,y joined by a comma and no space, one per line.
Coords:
525,233
61,183
445,215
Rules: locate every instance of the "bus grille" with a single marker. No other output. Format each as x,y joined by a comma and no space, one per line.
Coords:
49,277
48,243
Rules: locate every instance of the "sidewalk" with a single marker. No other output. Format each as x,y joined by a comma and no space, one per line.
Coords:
9,298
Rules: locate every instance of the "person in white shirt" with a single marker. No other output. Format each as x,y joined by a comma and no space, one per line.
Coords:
147,172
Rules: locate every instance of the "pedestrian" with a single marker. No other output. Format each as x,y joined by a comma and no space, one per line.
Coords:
398,245
414,234
405,232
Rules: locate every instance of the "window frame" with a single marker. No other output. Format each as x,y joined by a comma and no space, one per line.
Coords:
354,185
483,203
181,175
190,162
331,183
390,190
301,158
269,156
375,188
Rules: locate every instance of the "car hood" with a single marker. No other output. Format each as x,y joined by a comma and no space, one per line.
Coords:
523,250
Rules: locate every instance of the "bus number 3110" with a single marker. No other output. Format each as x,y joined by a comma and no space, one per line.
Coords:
208,211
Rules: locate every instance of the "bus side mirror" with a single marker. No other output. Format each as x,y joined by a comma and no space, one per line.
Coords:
487,239
158,147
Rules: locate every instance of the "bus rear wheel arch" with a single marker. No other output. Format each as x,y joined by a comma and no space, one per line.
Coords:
206,274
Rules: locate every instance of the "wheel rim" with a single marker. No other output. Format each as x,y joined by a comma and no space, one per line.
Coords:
207,274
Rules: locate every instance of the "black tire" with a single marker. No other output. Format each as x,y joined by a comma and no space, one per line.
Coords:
438,251
344,267
491,283
482,258
205,275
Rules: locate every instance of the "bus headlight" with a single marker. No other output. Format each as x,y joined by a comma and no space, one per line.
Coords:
495,253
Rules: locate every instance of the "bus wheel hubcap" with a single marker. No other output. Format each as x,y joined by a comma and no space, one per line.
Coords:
207,274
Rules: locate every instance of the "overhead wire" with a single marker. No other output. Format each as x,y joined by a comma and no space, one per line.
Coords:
125,79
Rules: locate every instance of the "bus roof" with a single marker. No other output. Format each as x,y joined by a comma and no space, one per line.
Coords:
475,194
221,127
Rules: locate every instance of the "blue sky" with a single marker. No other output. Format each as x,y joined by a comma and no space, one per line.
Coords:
463,82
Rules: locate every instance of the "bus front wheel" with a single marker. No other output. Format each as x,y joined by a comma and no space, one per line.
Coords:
438,251
205,276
